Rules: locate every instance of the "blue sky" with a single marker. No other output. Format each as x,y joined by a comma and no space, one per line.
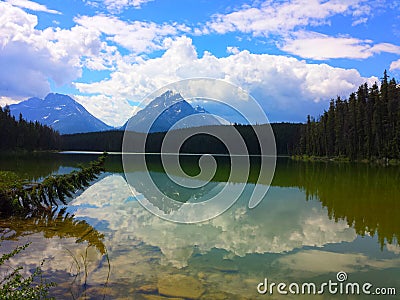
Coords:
291,56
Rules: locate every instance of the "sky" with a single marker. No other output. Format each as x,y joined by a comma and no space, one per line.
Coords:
291,56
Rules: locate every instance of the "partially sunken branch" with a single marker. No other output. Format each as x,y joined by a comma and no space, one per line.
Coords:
17,196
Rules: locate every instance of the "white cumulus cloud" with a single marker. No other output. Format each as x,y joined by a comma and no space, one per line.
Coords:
117,6
33,57
8,101
37,56
395,65
279,17
112,111
281,84
321,46
26,57
233,50
286,21
136,36
31,5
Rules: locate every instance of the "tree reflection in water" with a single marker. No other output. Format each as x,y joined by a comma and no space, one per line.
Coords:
366,196
81,260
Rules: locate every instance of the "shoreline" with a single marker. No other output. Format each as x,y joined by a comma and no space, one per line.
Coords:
340,159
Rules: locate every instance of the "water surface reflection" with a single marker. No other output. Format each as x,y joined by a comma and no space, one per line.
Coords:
316,220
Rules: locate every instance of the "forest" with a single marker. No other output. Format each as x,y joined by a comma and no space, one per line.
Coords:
286,138
364,126
23,135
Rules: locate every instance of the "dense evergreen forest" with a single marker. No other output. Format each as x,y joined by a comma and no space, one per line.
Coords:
365,126
23,135
286,137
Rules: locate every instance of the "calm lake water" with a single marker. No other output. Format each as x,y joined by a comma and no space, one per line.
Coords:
317,219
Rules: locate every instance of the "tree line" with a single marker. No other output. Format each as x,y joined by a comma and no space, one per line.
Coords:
366,125
23,135
286,139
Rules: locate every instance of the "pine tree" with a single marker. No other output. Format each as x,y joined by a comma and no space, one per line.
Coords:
17,135
367,125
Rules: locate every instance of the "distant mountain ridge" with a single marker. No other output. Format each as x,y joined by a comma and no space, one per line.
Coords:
67,116
165,111
60,112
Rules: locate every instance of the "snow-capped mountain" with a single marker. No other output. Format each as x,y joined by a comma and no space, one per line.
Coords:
61,112
166,110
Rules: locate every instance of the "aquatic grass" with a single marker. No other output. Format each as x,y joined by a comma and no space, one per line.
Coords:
15,286
82,267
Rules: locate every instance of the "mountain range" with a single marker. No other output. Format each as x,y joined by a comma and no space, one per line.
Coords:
60,112
64,114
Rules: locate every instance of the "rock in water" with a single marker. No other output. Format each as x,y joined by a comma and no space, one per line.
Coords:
180,286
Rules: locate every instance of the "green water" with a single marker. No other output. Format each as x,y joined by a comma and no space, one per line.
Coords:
316,220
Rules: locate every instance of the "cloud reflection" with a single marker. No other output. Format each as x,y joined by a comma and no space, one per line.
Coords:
283,222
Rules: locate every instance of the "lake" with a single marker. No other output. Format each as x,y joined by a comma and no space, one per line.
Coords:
319,221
